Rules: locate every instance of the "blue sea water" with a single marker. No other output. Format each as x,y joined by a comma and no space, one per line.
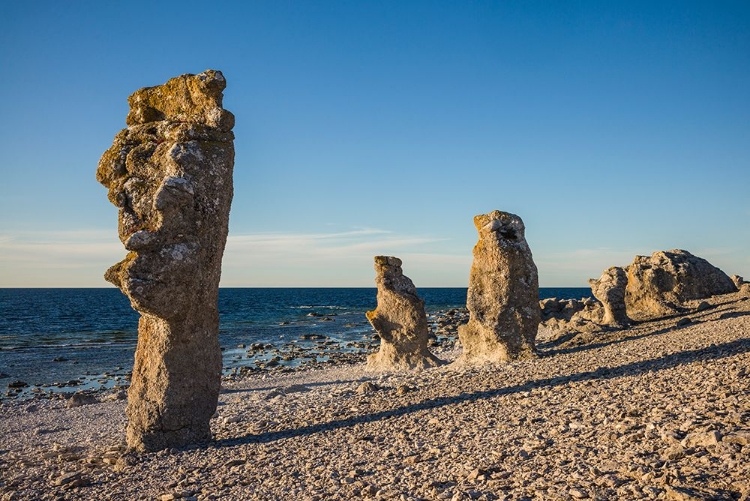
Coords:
52,336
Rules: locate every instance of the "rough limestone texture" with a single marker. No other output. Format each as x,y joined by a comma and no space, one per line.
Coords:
170,174
609,289
400,320
738,281
503,295
660,283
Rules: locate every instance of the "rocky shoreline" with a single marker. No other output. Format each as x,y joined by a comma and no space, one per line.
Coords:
310,352
660,410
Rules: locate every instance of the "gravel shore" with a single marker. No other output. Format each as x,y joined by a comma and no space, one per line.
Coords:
658,411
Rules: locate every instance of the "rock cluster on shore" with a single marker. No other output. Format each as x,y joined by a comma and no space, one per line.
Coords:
650,287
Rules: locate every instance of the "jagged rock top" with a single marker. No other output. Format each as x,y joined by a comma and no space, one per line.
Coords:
187,98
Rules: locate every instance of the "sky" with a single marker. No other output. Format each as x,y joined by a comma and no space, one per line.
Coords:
613,129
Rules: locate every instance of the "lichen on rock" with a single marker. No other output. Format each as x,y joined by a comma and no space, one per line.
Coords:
170,174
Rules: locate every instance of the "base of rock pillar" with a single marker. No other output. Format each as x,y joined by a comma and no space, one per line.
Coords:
152,441
389,359
481,347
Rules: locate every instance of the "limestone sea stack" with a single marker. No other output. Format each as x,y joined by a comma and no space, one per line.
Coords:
170,174
503,295
660,283
610,290
400,320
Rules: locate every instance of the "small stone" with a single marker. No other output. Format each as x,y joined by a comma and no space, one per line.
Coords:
684,321
367,387
578,493
404,389
69,478
79,399
702,439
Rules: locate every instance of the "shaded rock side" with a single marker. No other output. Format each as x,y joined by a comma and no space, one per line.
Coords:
170,174
660,283
609,289
400,320
503,295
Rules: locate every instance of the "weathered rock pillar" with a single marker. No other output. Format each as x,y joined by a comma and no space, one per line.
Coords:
609,289
400,320
170,174
503,296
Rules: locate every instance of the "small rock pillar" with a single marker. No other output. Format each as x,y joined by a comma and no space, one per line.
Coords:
400,320
609,289
170,174
503,295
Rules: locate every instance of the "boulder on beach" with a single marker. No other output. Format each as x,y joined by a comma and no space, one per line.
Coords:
170,174
503,295
399,320
659,284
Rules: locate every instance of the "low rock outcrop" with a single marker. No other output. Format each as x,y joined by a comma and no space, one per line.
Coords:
503,295
609,289
400,321
170,174
660,283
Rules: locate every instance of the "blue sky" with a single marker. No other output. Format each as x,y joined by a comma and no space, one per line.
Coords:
363,128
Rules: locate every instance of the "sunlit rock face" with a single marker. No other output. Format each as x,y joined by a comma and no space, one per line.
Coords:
609,289
400,320
660,283
503,295
170,174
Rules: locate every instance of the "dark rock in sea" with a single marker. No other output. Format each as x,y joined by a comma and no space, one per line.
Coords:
314,314
313,336
59,359
4,375
18,384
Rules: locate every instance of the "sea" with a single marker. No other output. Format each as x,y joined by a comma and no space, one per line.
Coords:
63,340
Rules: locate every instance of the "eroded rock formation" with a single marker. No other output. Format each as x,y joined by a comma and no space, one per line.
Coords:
400,320
609,289
170,174
503,295
660,283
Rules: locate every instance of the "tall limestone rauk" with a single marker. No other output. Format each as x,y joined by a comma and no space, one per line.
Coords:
170,174
400,320
503,295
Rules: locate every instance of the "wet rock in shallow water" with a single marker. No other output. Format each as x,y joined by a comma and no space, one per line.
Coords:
400,320
503,295
170,175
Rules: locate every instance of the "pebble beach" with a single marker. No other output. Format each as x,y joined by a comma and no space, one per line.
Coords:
660,410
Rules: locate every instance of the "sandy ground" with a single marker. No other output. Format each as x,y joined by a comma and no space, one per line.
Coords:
657,411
